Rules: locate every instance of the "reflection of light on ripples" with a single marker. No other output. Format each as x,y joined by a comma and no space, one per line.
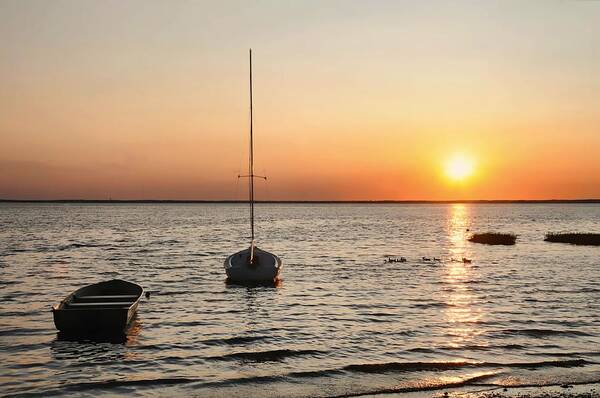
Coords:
461,315
133,333
457,225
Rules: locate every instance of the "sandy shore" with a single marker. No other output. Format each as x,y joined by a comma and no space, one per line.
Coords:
570,391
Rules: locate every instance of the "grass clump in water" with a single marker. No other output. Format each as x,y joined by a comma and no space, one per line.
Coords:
574,238
494,238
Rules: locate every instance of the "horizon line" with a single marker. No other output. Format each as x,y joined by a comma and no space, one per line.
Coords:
377,201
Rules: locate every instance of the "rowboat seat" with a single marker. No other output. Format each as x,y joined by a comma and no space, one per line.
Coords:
106,304
118,296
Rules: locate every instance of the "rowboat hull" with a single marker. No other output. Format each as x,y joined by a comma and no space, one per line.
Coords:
105,307
266,268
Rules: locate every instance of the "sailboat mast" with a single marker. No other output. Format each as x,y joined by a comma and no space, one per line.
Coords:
251,167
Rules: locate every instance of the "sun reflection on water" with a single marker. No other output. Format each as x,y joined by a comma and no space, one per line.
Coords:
457,227
461,314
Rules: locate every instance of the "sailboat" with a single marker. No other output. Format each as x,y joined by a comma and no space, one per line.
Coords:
252,265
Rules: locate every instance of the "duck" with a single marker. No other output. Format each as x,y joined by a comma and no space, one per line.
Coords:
466,260
426,259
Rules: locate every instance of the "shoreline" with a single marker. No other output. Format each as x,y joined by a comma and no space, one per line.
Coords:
573,390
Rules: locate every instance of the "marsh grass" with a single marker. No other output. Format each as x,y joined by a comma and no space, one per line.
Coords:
574,238
494,238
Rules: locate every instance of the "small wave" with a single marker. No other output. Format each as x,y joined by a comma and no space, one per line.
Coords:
164,347
314,373
22,331
28,365
113,273
140,251
20,250
171,267
438,304
570,363
45,249
244,380
483,347
542,332
126,383
8,283
166,242
77,246
420,387
187,323
235,340
170,292
589,290
17,348
407,366
267,356
441,366
567,354
216,300
589,379
422,350
19,313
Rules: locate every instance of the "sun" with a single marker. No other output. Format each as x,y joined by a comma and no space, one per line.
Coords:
459,167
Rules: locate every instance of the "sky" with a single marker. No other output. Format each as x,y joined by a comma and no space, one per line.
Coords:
354,100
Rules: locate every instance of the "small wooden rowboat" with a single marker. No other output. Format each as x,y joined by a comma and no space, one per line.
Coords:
105,307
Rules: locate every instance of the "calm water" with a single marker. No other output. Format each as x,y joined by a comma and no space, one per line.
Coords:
341,323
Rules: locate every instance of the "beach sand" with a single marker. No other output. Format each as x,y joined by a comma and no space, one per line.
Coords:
565,391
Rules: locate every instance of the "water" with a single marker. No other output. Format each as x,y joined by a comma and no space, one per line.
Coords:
341,323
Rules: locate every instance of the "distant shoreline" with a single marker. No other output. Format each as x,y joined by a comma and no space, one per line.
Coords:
158,201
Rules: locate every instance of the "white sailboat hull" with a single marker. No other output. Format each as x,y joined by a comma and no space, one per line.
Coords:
266,267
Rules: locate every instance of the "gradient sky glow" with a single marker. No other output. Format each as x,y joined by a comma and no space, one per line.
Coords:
360,100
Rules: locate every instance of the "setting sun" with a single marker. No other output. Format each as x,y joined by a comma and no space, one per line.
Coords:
459,167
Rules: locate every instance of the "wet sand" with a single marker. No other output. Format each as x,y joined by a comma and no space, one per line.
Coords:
565,391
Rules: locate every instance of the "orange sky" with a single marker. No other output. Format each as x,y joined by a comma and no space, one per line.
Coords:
353,100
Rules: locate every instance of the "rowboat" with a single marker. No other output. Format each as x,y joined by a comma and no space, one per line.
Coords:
105,307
